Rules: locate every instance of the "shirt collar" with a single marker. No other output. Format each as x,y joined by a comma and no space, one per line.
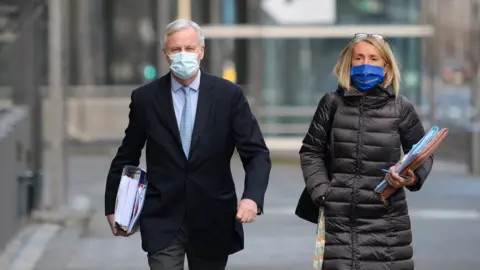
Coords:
195,85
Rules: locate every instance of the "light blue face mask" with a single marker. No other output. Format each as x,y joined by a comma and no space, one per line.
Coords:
184,64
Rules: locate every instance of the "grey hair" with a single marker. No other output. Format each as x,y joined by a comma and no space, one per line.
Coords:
181,24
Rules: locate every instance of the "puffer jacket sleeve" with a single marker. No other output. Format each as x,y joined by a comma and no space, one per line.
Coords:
312,152
411,131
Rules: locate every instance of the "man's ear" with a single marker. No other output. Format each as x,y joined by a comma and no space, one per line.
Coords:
201,53
166,56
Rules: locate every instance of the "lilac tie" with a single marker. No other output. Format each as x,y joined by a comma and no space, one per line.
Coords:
186,124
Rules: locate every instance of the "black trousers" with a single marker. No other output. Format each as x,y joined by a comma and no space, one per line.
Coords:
173,257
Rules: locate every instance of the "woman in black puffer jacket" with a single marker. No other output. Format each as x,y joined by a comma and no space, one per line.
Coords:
357,131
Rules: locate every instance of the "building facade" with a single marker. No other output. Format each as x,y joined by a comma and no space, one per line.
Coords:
285,51
282,52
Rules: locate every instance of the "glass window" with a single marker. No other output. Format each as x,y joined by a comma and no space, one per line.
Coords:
378,12
200,11
129,41
229,11
342,12
222,11
132,38
6,58
299,72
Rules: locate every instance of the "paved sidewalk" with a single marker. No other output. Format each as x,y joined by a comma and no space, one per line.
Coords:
448,206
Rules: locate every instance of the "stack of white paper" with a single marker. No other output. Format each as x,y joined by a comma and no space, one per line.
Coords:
130,198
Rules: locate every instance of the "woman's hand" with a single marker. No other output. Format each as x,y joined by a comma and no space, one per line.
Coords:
396,181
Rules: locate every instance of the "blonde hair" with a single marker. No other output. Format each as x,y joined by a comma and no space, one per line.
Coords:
392,72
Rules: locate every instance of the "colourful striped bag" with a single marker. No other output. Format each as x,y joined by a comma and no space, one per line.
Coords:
319,241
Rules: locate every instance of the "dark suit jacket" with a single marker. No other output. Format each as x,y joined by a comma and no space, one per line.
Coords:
199,192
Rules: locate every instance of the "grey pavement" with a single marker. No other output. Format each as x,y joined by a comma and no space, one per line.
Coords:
445,217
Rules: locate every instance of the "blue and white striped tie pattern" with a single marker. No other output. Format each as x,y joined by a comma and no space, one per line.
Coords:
186,123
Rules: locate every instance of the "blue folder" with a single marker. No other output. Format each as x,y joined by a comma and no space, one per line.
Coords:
410,156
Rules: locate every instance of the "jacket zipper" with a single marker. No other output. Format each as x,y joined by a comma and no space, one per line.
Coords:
357,167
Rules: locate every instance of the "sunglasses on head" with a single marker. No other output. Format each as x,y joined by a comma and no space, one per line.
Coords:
361,36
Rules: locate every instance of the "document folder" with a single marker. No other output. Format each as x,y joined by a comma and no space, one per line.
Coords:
130,198
415,158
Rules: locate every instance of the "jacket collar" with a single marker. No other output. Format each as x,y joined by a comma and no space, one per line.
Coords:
377,91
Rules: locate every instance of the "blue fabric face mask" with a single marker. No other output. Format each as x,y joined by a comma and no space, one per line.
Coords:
365,77
184,64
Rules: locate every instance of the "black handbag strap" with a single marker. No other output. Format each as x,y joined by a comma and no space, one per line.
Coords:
328,130
333,110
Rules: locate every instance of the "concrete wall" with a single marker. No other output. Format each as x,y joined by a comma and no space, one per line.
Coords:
92,118
14,159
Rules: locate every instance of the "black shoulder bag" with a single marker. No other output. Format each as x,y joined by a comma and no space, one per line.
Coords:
306,209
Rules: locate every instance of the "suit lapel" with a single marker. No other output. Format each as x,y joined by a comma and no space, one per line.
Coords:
164,106
203,110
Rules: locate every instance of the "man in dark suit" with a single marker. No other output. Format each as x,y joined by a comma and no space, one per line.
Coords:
192,122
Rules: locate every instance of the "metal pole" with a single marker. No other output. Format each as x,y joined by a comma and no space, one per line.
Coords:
436,53
35,101
433,43
255,67
19,95
28,48
56,154
85,60
146,38
216,50
163,18
184,9
425,52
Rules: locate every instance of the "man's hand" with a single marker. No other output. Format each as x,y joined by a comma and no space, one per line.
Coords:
115,231
247,211
396,181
